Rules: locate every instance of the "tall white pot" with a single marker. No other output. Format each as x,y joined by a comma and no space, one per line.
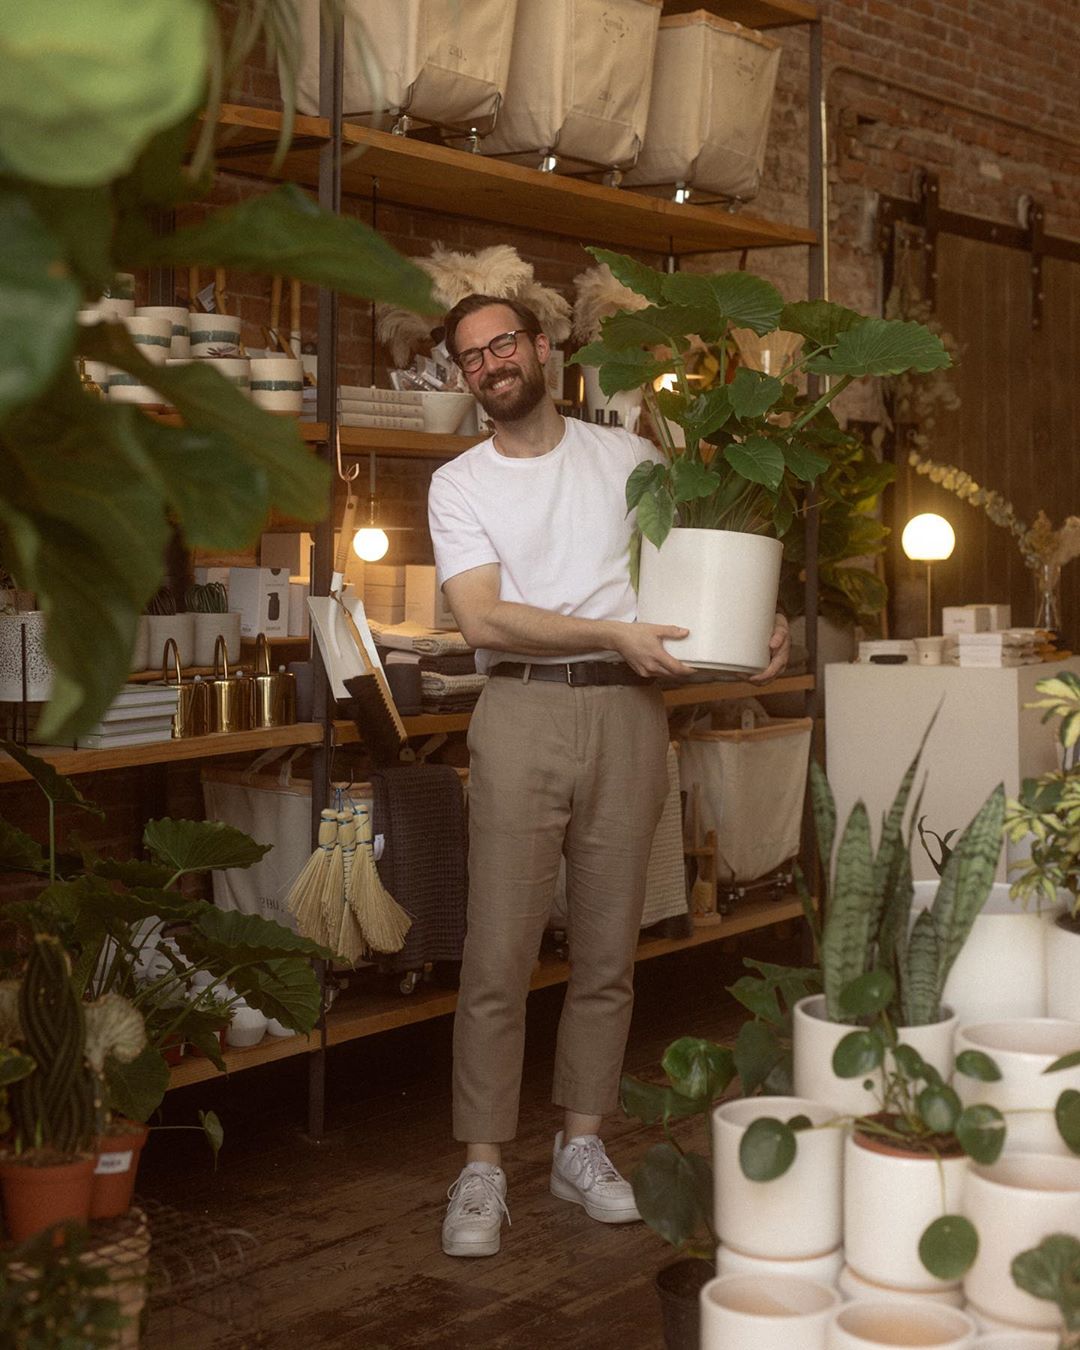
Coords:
815,1038
39,669
1063,972
719,584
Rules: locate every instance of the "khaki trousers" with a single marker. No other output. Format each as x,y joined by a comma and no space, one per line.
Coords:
554,770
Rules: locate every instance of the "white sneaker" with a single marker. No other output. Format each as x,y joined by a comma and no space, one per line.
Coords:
582,1172
475,1213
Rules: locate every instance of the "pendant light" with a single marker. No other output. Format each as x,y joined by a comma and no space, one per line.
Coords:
370,542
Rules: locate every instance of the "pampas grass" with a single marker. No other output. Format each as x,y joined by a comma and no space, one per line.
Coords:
597,295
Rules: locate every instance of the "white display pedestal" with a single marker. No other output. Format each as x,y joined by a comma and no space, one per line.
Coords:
983,735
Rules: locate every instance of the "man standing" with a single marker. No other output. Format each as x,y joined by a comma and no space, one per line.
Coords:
567,757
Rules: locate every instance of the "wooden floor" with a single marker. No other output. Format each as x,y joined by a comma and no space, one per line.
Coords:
347,1230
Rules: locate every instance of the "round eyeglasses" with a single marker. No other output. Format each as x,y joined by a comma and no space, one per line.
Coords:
505,344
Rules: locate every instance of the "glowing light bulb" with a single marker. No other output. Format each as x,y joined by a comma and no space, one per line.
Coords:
370,544
928,538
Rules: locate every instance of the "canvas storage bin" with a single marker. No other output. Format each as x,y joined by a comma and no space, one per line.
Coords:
440,61
578,87
750,790
712,94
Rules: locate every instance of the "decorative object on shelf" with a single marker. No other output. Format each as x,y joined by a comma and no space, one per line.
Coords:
231,696
880,1325
192,716
277,383
928,538
26,672
208,605
169,624
749,446
274,700
597,296
179,319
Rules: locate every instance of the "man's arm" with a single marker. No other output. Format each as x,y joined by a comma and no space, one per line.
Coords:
502,625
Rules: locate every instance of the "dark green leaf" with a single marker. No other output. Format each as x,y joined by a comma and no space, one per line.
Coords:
201,845
910,1062
752,394
673,1192
232,936
883,347
286,988
767,1149
692,480
867,995
1069,1061
859,1053
698,1068
658,326
646,281
758,1053
800,1122
137,1089
55,786
1067,1115
82,220
741,299
804,463
656,515
980,1131
653,1102
211,1128
18,852
1052,1271
132,872
14,1066
818,320
948,1247
645,475
939,1107
757,459
976,1064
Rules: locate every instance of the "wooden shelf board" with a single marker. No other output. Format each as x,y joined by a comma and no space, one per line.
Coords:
360,1012
750,13
404,444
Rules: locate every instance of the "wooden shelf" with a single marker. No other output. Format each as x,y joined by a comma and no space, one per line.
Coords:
361,1011
429,177
750,13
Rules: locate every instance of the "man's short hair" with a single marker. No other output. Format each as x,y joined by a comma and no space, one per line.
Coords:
527,320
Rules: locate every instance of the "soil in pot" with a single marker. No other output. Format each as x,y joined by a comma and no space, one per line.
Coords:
42,1189
679,1286
116,1164
922,1146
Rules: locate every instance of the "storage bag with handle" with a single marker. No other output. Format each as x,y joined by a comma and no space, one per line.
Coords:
751,788
578,87
440,61
712,94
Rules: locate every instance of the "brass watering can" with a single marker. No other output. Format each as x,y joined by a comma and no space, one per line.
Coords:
192,710
275,691
231,703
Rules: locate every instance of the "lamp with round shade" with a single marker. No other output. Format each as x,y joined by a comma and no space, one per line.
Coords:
928,538
370,542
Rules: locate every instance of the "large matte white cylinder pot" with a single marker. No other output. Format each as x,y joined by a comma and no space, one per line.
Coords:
824,1269
1063,972
1022,1049
759,1312
890,1325
719,584
1014,1203
853,1286
796,1215
815,1038
1017,1340
1001,969
890,1199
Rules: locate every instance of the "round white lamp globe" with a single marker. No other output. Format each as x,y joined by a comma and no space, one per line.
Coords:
370,544
928,538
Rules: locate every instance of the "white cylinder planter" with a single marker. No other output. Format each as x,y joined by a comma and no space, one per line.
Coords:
140,648
759,1312
208,627
177,317
214,334
797,1215
277,384
152,334
815,1039
824,1269
1014,1203
1017,1340
890,1199
627,403
39,669
179,627
890,1325
852,1286
1022,1050
1001,969
1063,972
719,584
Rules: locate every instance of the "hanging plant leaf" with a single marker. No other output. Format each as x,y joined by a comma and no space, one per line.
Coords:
767,1149
859,1053
1067,1115
211,1128
659,326
757,459
673,1192
949,1246
18,852
228,935
980,1131
882,347
58,789
201,845
975,1064
656,515
644,476
737,297
819,320
697,1068
1069,1061
286,988
138,1088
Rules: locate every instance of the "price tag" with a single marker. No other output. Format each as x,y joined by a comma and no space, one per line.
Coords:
111,1163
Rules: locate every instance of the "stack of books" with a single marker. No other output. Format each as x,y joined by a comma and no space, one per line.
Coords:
1010,647
140,714
390,409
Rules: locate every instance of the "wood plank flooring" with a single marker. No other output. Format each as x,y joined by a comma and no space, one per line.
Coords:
348,1229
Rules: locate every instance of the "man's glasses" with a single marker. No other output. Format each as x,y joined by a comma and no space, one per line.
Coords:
472,358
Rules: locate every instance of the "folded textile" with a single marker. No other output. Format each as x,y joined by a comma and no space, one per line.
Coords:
413,637
435,685
456,663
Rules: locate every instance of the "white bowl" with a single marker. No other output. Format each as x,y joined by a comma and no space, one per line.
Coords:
444,410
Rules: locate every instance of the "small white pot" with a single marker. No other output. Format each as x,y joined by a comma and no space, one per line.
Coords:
760,1312
177,317
247,1026
815,1039
892,1324
1014,1203
208,627
277,383
39,669
444,410
125,388
1022,1049
214,334
152,335
890,1199
279,1029
1017,1340
853,1286
719,584
1062,973
823,1269
627,403
1001,969
140,650
113,310
179,627
798,1214
236,369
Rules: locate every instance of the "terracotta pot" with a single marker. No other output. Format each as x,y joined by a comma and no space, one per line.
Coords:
117,1163
36,1197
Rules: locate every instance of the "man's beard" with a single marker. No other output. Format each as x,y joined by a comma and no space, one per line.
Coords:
518,399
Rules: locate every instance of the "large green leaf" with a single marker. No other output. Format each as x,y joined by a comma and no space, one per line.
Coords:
83,220
228,935
660,326
741,299
673,1192
286,233
949,1246
757,459
58,789
698,1068
201,845
137,1089
620,370
819,320
646,281
286,988
644,476
803,462
656,515
752,394
692,480
767,1149
1052,1271
758,1053
84,85
883,347
18,852
652,1103
845,949
38,299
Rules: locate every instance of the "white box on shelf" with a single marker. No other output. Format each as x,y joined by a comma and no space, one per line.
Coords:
966,619
424,602
291,551
205,575
299,618
261,597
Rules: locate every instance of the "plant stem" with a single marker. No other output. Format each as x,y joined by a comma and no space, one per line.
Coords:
659,421
823,402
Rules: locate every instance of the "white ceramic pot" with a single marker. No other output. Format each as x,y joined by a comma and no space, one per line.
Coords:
1017,1340
236,369
815,1039
1014,1203
177,318
179,627
247,1026
798,1214
152,336
890,1325
279,1029
823,1269
99,372
1022,1049
140,650
113,309
125,388
853,1286
626,403
39,669
759,1312
890,1199
1001,969
444,410
722,586
207,628
277,383
214,334
1062,973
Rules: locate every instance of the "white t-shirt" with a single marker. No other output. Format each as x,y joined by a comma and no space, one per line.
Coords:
556,524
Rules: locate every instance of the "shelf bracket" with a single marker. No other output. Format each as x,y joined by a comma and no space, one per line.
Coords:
1036,221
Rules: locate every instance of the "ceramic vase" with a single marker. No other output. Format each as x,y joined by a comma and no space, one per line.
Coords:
214,334
626,404
889,1325
39,669
754,1312
277,384
140,648
824,1269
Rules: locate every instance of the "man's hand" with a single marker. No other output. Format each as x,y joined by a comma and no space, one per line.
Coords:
640,646
779,652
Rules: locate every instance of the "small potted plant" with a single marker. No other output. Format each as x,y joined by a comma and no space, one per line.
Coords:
718,505
1051,1271
209,607
167,622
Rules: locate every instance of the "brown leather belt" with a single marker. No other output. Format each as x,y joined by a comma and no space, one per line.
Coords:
574,673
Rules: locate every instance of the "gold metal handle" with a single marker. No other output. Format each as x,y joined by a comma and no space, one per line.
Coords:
262,655
170,642
221,652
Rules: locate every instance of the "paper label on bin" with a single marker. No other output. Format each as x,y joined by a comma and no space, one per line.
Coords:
110,1163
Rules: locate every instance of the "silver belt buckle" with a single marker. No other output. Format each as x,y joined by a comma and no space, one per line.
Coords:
570,674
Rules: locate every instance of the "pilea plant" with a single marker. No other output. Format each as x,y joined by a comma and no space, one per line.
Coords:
1052,1271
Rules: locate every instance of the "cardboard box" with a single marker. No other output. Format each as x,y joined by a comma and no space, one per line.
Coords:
290,551
385,595
965,619
424,600
261,597
386,614
384,574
